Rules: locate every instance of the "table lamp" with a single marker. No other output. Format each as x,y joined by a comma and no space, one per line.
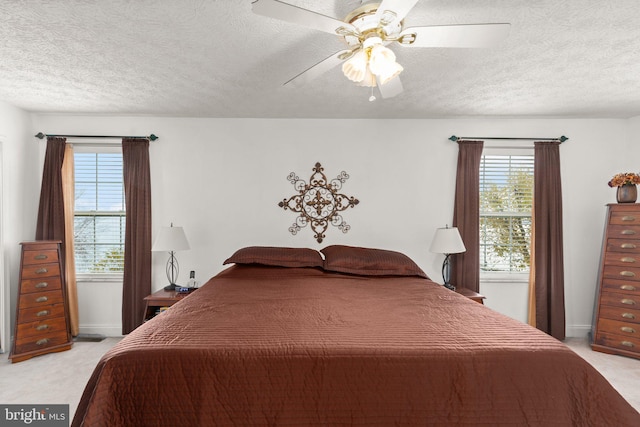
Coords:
447,241
171,239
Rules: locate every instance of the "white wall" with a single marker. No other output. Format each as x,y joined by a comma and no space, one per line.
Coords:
221,179
20,175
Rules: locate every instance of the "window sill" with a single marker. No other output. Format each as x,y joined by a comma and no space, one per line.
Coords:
504,278
117,278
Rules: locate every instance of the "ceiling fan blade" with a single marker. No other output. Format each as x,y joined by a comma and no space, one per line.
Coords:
469,35
399,8
391,88
297,15
319,69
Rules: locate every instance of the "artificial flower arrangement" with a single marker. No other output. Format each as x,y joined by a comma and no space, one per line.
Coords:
621,179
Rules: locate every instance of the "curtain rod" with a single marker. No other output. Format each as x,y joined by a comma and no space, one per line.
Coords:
41,135
457,138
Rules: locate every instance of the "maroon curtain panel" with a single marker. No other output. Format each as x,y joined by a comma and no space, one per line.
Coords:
548,241
51,224
137,246
465,271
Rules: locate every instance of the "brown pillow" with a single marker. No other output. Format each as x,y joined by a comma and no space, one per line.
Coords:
369,262
276,256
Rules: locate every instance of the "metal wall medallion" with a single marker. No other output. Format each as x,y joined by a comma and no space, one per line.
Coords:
318,202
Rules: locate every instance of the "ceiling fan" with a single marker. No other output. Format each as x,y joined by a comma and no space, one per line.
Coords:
367,31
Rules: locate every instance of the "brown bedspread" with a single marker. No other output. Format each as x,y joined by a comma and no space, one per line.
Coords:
299,346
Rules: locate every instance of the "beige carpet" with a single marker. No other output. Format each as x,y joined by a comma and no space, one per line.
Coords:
61,377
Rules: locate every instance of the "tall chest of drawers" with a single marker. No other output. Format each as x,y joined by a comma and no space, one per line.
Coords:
616,324
42,320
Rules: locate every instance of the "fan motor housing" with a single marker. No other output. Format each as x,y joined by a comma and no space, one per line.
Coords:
364,19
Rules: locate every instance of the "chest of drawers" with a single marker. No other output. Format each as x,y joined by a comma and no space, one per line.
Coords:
42,323
616,324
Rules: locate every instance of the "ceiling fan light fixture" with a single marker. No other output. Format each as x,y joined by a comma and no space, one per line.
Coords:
356,67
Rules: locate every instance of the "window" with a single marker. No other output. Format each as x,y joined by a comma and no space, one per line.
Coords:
99,218
506,195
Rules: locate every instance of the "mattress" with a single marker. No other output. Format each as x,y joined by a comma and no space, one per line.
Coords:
265,345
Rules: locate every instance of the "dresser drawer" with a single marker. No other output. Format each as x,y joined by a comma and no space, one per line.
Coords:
618,341
40,313
40,270
621,217
40,257
619,328
53,338
40,299
38,285
42,327
623,259
620,300
621,287
623,245
620,313
620,272
624,232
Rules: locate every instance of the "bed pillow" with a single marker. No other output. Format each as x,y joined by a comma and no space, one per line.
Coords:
369,262
276,256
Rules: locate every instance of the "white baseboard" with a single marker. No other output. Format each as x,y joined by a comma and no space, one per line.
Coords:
577,331
106,330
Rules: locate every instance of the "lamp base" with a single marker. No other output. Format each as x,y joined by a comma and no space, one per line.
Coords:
171,287
449,286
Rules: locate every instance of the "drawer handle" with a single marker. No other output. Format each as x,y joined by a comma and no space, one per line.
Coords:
42,313
627,343
628,330
42,271
42,299
628,259
628,301
40,256
628,218
45,327
628,315
43,341
628,246
627,232
628,273
628,288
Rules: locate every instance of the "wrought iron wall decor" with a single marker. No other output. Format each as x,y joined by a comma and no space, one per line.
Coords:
318,202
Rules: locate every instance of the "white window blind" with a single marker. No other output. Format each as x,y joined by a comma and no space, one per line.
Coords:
506,195
99,220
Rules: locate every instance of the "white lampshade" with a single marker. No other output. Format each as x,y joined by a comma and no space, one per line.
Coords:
447,241
171,239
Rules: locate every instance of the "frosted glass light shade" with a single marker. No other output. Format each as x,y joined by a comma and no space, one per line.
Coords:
356,67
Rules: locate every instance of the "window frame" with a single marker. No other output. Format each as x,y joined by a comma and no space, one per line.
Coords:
506,148
98,148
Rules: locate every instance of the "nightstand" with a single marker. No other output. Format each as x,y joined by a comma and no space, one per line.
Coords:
471,295
160,300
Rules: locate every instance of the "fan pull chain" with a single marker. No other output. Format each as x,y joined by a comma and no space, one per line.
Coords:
372,97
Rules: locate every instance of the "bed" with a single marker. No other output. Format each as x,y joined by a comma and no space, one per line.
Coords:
283,337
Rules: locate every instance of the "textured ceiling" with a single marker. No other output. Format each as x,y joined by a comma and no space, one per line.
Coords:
215,58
